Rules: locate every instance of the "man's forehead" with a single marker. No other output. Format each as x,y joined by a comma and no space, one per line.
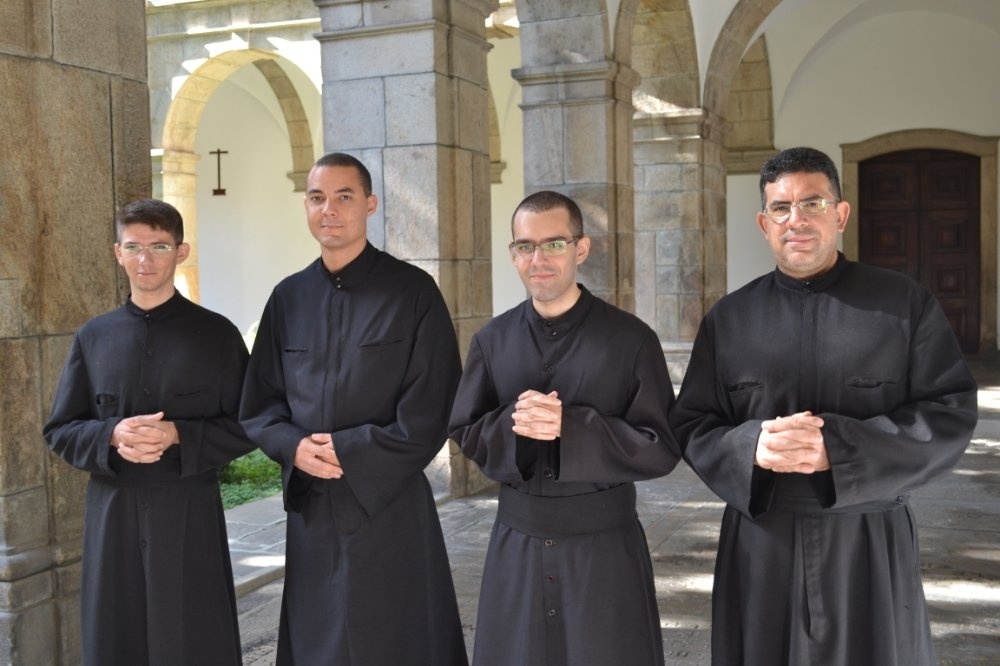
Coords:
323,178
552,223
817,182
135,229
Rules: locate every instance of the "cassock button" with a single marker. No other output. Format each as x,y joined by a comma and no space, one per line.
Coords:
550,579
547,368
547,474
553,333
551,612
549,542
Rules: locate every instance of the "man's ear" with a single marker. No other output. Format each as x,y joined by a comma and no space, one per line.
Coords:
843,213
762,222
582,249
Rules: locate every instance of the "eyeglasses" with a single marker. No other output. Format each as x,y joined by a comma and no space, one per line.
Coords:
552,248
156,249
780,212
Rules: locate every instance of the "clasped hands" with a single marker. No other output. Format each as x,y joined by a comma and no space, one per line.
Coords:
315,456
538,415
143,438
792,444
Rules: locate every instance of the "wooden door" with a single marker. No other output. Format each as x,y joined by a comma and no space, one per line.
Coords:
919,213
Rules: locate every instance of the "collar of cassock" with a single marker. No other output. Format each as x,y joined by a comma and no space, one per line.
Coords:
161,311
819,283
557,327
353,273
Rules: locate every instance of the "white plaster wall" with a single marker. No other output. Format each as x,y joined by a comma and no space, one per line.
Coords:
906,70
504,196
865,74
747,253
256,234
707,19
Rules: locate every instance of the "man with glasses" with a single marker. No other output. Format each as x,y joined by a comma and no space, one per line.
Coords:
564,401
817,397
147,404
352,374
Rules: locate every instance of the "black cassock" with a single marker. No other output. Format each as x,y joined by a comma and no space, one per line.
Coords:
369,355
157,584
568,579
824,568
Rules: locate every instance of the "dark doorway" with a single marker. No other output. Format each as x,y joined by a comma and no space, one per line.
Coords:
919,214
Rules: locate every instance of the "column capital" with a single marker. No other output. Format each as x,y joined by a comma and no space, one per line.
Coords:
607,70
568,82
344,16
681,123
179,161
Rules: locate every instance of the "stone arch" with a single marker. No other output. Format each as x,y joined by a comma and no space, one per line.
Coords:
181,127
983,146
750,112
299,134
661,49
727,53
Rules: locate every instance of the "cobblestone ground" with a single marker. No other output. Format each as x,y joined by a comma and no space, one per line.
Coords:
959,518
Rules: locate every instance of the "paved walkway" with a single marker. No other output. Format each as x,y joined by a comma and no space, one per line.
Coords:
959,518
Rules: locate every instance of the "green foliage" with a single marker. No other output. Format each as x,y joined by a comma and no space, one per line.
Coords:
248,478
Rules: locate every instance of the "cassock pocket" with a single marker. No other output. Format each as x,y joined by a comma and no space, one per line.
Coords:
106,405
192,403
743,386
379,341
743,393
380,367
869,394
868,382
381,331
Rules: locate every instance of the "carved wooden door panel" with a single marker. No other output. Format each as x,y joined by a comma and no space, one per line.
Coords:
919,213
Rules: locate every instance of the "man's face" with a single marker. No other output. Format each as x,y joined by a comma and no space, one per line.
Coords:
548,279
149,265
804,246
337,208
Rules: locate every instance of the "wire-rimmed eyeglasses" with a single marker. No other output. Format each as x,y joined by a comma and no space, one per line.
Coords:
550,248
780,212
155,249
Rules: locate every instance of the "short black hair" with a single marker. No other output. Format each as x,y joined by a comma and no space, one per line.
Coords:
545,200
153,212
798,160
345,160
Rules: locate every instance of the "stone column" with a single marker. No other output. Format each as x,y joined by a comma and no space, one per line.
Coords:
75,144
578,136
680,226
405,90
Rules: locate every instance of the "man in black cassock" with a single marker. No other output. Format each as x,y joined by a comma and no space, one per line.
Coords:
817,397
352,374
147,404
564,401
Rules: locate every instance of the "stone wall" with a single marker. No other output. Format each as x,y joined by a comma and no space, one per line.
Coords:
75,145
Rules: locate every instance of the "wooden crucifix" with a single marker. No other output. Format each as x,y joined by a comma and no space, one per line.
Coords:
218,152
